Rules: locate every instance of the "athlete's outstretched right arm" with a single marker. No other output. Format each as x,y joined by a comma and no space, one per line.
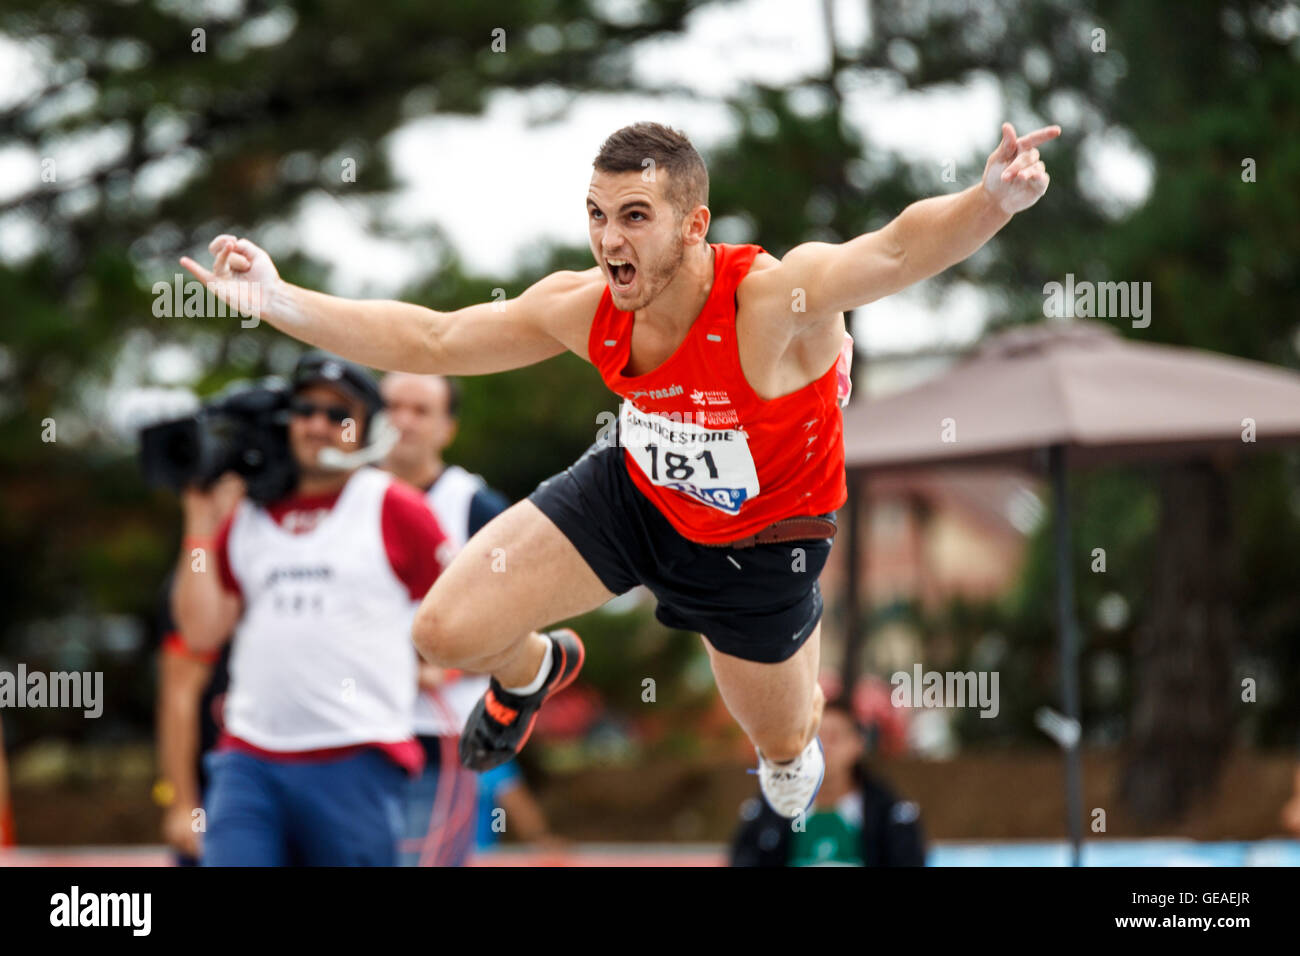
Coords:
394,336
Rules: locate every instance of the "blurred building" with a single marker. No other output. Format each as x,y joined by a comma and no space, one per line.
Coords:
927,537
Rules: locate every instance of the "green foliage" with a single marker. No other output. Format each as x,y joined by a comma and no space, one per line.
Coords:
264,124
282,96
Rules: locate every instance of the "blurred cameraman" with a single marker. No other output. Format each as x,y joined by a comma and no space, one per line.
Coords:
319,589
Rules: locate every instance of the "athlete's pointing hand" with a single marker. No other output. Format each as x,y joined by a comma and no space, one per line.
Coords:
1014,175
243,276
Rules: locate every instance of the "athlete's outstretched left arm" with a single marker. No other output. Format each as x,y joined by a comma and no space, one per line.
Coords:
926,237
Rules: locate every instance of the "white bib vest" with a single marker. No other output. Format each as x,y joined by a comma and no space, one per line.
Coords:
322,656
450,498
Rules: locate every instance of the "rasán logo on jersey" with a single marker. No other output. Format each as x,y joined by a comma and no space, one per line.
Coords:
655,393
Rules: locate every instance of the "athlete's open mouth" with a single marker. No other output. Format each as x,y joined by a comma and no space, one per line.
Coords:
621,273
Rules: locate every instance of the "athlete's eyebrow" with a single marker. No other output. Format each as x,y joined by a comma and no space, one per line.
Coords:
629,206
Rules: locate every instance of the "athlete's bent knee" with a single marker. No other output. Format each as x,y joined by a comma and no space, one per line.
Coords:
437,637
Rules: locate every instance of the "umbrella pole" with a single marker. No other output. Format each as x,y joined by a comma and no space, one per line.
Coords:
1068,650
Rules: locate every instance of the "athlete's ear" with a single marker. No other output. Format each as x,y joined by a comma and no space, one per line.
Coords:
695,226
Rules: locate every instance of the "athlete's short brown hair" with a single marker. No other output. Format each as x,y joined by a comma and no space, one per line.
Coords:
628,149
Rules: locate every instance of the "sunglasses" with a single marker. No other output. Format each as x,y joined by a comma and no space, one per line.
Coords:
337,414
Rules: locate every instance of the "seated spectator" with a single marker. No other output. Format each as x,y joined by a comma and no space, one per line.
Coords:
855,820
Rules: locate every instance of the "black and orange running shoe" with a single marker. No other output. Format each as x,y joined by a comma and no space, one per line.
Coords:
500,723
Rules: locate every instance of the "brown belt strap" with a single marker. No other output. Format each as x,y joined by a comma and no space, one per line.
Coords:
801,528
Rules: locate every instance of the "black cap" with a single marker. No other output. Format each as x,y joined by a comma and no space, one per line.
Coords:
317,367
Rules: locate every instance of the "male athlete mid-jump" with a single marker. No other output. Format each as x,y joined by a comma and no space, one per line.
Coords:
718,492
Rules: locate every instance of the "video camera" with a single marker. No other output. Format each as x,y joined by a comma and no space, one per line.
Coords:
244,430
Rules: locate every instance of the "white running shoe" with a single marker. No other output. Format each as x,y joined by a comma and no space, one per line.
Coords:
791,787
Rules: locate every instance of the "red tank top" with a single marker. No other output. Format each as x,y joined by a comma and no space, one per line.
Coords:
718,461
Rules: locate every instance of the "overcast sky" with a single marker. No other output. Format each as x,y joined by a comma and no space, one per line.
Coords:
465,173
502,185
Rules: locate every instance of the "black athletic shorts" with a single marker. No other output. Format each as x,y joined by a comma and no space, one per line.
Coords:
758,603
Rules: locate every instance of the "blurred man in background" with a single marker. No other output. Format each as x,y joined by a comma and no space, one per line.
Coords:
855,821
506,805
319,589
441,802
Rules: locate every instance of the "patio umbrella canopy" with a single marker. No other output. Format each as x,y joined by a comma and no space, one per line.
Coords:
1057,395
1081,385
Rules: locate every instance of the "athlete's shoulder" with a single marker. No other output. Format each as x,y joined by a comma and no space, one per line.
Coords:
781,288
763,277
565,302
763,262
569,287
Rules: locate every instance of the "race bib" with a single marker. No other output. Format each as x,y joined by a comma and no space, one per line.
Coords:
711,465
